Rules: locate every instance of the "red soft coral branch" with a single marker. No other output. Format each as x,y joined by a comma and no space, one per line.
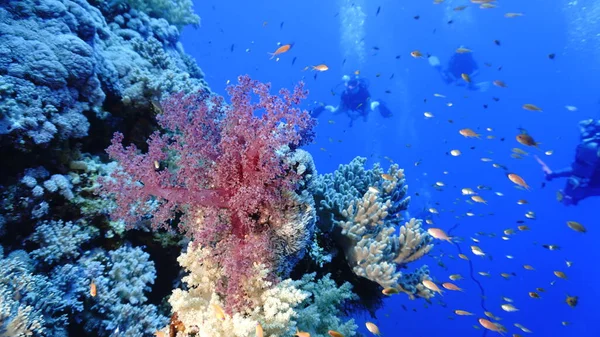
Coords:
219,161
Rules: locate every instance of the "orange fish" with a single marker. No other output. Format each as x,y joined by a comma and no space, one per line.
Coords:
416,54
439,234
259,330
432,286
468,133
320,67
281,50
334,333
518,180
451,286
490,326
93,289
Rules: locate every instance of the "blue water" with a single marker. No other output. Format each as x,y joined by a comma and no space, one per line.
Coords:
532,77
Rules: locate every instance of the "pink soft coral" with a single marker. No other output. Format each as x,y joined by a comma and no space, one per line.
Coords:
225,179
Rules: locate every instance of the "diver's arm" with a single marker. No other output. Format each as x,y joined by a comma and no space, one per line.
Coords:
566,172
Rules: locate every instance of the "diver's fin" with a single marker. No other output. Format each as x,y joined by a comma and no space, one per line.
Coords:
318,110
383,109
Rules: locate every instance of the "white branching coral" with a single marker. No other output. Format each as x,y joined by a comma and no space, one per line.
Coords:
277,308
375,251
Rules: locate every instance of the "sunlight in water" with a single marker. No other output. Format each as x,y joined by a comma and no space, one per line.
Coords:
352,31
583,18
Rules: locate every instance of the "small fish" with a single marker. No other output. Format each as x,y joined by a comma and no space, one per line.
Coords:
463,256
522,202
459,8
571,108
455,153
477,251
334,333
551,247
569,263
451,286
478,199
374,329
301,333
378,10
534,295
93,290
439,234
455,277
465,77
320,67
527,140
428,114
468,133
463,50
259,330
374,190
523,228
491,326
283,49
576,226
389,291
219,312
542,290
531,107
518,180
467,191
549,153
433,211
431,286
551,56
499,84
560,274
528,267
416,54
387,177
463,313
509,307
512,15
572,301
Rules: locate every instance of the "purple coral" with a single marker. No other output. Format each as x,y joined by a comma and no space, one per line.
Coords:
228,180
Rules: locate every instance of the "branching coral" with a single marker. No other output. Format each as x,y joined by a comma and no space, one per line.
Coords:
368,223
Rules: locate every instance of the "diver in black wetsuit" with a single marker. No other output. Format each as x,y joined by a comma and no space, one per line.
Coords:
460,63
583,176
355,101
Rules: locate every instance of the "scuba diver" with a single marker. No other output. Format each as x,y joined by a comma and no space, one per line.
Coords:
355,101
583,176
461,62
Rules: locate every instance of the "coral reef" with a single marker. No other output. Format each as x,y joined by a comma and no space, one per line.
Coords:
60,61
280,308
177,12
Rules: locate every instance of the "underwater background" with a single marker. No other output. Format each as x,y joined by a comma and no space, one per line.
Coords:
73,72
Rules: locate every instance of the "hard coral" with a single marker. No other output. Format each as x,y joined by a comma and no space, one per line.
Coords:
226,175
